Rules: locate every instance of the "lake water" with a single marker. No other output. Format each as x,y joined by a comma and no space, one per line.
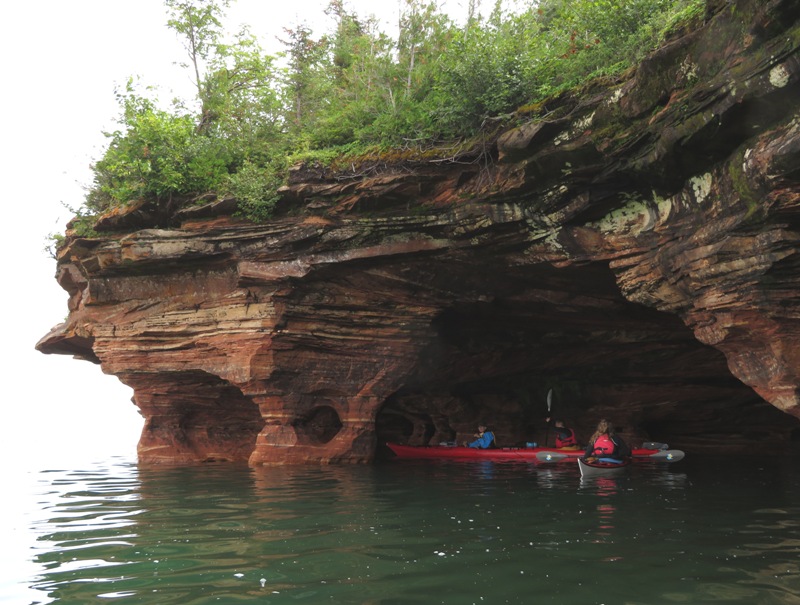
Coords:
702,530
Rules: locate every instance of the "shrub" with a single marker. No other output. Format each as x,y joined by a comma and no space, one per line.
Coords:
146,157
256,189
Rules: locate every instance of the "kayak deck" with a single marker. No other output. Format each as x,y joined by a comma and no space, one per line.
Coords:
597,468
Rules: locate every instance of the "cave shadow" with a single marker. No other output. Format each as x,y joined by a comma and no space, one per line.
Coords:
570,331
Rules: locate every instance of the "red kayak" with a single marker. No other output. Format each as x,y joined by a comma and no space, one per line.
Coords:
530,454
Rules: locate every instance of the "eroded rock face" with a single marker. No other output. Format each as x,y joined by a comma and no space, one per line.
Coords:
635,250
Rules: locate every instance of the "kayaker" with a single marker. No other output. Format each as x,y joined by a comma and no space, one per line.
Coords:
484,440
565,437
605,444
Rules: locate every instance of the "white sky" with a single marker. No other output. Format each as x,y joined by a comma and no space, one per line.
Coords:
61,61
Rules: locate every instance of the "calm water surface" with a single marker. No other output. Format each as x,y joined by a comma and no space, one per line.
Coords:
702,530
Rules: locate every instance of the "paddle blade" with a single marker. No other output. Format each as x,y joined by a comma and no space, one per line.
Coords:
549,399
549,456
668,455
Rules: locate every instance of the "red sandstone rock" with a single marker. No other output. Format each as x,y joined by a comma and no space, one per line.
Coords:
639,255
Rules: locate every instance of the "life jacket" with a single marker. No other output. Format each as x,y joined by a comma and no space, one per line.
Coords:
568,441
604,446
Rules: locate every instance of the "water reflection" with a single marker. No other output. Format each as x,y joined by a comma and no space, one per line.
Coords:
416,533
602,486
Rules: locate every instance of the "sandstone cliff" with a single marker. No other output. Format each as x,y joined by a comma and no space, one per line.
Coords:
634,247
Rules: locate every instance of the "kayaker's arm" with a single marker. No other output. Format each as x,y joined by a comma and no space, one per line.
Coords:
483,442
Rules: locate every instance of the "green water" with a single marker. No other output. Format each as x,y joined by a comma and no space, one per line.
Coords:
697,531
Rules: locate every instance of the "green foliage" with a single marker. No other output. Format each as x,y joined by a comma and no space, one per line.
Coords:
256,189
146,157
197,23
81,225
53,243
482,76
163,154
243,106
682,13
357,89
519,59
306,83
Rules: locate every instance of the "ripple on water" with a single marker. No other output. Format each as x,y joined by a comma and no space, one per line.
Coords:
414,533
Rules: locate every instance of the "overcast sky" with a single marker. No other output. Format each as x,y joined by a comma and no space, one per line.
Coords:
61,61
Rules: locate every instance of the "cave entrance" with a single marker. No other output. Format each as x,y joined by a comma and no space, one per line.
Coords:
194,416
404,423
493,361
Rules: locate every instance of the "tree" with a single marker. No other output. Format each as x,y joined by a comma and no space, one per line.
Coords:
357,74
243,105
421,40
198,23
306,81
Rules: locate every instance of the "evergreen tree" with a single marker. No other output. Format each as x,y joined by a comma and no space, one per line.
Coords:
307,77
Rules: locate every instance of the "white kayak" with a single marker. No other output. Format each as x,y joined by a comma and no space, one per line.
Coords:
595,467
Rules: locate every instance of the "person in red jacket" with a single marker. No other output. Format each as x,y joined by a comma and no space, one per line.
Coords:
606,444
565,437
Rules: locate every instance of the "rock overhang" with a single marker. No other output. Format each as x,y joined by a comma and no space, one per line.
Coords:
637,254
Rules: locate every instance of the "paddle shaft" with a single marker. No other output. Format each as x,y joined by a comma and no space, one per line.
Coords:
549,405
664,455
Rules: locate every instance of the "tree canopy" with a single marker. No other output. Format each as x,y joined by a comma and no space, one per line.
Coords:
354,89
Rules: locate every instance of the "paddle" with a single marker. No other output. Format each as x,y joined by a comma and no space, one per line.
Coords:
550,456
667,455
549,405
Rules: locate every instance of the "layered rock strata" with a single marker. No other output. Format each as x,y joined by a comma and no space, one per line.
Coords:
633,247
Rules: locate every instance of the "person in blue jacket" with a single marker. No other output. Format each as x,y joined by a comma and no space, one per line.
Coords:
484,439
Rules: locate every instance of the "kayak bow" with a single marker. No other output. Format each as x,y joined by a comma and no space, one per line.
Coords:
598,468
